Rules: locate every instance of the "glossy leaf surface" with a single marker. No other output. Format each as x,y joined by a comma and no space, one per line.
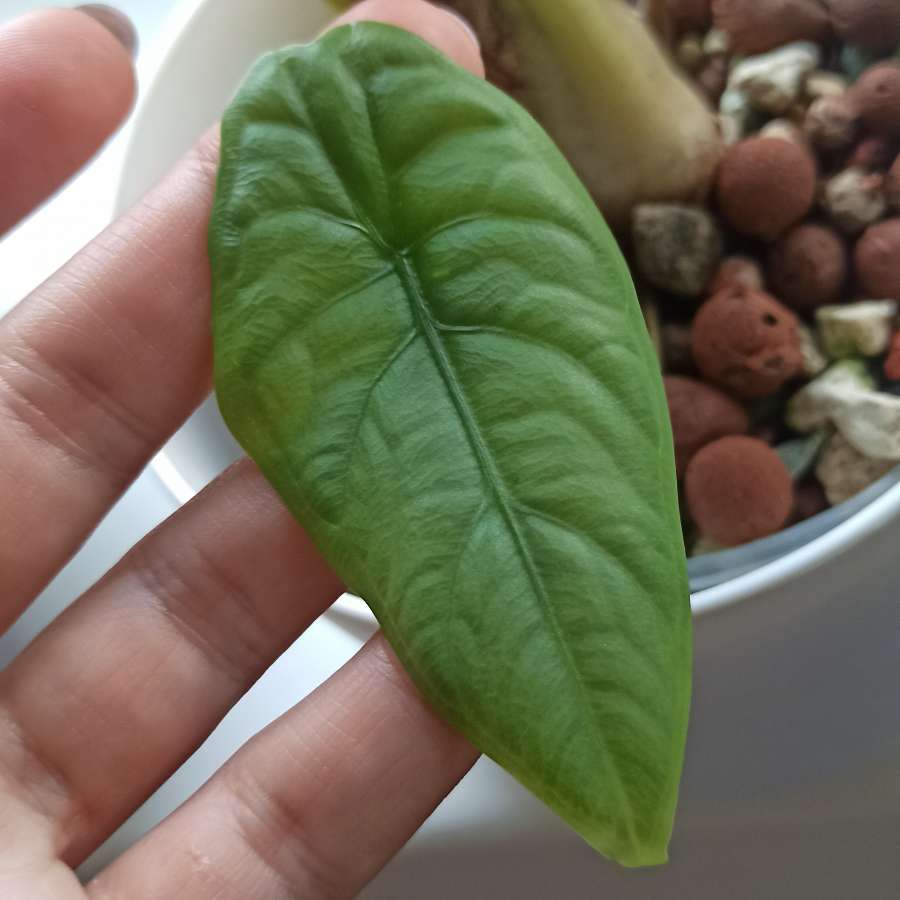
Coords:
428,340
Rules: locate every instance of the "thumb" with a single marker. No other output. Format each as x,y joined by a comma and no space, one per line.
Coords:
441,27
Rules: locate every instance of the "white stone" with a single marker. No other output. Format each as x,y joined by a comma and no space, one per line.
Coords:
871,423
736,115
845,396
677,247
823,83
831,124
785,130
856,329
854,199
731,129
815,405
844,471
814,360
772,82
689,52
716,43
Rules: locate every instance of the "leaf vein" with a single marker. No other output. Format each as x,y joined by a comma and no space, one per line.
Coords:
652,662
388,364
543,343
520,218
433,140
292,212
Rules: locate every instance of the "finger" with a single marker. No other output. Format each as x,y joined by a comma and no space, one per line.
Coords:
115,22
97,368
314,806
102,363
440,27
135,675
66,83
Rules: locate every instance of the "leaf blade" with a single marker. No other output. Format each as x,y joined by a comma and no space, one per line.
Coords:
435,381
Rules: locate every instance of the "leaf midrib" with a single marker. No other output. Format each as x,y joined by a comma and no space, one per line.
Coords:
428,327
421,310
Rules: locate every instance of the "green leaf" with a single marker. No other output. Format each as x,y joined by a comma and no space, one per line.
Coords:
426,337
801,454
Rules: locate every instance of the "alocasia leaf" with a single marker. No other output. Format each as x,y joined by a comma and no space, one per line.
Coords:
427,339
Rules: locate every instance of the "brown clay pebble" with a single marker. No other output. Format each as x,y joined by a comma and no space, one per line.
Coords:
872,154
700,413
747,342
873,25
877,260
738,272
808,266
689,15
755,26
876,95
738,490
765,185
892,363
892,185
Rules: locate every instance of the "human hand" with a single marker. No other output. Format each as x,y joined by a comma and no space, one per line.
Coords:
130,680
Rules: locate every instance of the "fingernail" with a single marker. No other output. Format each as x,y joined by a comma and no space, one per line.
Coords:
115,22
466,24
